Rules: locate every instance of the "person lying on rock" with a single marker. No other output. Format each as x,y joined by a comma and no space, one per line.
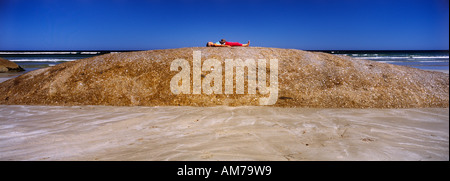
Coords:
224,43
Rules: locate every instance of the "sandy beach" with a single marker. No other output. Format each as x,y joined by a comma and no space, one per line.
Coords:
10,75
221,133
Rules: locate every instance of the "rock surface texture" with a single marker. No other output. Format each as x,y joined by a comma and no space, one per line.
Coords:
305,79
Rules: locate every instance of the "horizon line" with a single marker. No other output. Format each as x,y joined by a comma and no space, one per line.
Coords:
129,50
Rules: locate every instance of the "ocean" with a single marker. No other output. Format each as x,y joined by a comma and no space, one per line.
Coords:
422,59
437,60
32,60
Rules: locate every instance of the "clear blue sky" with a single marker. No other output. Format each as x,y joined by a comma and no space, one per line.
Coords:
160,24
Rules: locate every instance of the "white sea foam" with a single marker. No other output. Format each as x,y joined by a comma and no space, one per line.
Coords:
46,53
436,61
405,57
34,53
43,60
434,57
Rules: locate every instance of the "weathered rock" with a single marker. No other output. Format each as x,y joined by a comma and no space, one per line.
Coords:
8,66
306,79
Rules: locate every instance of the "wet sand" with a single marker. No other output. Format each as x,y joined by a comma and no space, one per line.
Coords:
10,75
221,133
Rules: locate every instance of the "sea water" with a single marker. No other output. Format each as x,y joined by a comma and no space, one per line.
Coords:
33,60
436,60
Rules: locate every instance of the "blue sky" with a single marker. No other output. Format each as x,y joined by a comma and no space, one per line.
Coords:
160,24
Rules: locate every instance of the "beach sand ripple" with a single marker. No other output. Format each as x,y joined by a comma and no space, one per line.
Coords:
221,133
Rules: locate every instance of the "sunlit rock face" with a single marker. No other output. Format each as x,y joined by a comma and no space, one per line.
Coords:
304,79
8,66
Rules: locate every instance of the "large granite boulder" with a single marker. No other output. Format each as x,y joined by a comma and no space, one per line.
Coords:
8,66
305,79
